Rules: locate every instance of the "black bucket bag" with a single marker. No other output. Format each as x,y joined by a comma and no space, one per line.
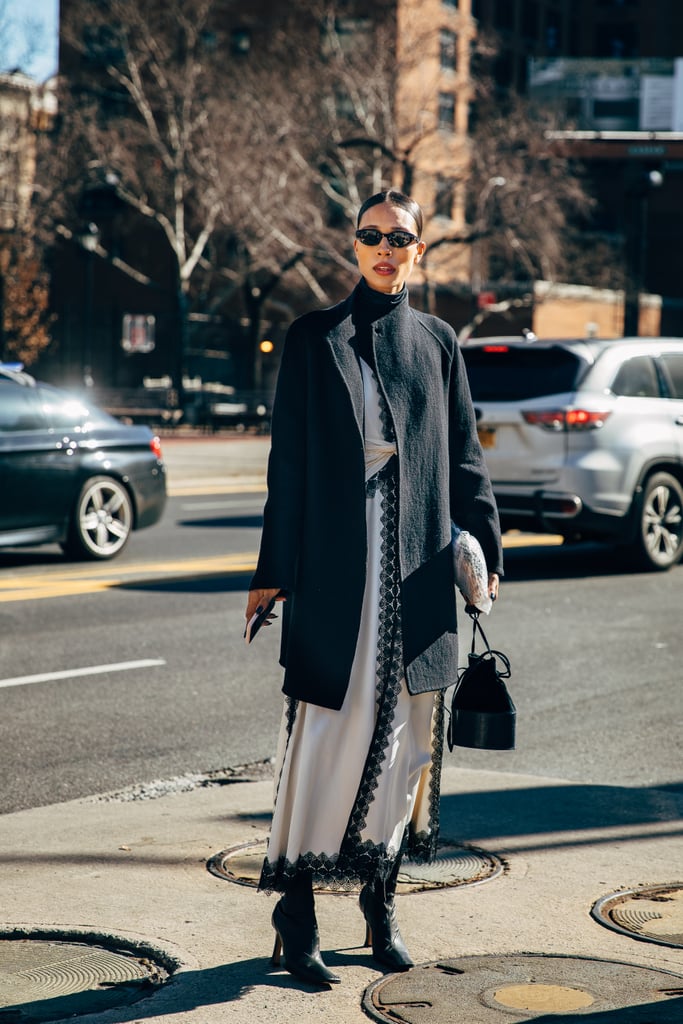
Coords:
482,713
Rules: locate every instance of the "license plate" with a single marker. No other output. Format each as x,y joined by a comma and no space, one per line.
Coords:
487,437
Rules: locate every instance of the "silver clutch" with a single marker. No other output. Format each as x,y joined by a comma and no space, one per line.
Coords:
469,565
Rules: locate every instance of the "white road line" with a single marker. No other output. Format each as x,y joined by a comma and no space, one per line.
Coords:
94,670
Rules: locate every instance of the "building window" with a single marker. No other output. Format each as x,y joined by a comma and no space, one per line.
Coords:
447,111
530,20
444,197
346,35
447,49
616,41
574,38
103,44
504,15
344,106
240,41
522,80
504,69
553,31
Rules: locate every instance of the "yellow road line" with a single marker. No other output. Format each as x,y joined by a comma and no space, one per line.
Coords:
531,540
93,579
96,578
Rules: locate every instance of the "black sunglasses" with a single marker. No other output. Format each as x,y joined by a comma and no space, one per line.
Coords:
396,239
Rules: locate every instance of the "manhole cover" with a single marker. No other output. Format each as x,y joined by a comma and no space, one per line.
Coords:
454,865
523,987
49,979
653,913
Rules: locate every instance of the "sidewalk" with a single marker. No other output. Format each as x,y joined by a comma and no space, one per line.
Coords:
222,460
136,868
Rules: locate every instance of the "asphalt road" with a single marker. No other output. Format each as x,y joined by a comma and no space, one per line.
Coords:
168,687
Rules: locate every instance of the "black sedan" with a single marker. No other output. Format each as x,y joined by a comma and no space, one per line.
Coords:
72,474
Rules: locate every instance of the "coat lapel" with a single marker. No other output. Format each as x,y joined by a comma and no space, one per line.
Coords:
339,340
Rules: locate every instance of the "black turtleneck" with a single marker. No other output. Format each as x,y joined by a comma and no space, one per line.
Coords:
368,307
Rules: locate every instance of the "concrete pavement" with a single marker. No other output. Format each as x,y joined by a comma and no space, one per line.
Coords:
223,460
137,869
133,866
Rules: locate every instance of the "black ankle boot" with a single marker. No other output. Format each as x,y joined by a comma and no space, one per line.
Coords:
379,910
297,935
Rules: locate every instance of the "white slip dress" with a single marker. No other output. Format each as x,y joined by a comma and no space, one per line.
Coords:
357,787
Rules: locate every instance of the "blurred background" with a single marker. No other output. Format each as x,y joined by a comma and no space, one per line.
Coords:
179,179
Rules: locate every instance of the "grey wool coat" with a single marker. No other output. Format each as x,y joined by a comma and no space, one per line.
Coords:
314,544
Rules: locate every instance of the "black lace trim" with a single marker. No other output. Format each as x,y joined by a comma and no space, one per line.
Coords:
388,432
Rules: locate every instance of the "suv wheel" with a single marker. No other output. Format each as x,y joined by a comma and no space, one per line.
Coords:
659,541
102,520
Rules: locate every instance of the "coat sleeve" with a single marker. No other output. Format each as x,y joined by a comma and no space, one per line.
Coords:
283,511
473,506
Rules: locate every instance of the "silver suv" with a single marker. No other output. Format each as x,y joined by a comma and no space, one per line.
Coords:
585,438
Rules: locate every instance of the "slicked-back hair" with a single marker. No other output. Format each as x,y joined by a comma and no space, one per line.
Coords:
394,198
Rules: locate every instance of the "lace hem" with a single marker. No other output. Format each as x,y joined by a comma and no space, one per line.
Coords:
358,864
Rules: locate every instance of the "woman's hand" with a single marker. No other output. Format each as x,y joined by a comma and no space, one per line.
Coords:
494,583
260,598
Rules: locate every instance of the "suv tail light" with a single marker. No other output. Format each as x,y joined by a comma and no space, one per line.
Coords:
566,419
155,445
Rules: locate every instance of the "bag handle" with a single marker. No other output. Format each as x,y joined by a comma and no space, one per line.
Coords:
476,625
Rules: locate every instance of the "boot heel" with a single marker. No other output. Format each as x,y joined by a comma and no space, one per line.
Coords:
277,950
368,937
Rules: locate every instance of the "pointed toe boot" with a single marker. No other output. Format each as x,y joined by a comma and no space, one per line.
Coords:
382,931
297,938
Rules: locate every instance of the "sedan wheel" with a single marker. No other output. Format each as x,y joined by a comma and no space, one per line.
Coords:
102,520
660,537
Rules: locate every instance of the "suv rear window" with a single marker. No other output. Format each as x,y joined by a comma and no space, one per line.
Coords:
509,373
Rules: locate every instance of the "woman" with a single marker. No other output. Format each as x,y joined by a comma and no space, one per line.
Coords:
374,452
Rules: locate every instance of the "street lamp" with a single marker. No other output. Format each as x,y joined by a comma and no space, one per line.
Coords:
496,182
89,239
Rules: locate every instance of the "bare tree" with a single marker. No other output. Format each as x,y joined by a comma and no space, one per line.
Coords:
525,198
191,147
252,171
524,194
149,115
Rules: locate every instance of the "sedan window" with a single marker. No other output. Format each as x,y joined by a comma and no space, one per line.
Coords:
68,412
19,409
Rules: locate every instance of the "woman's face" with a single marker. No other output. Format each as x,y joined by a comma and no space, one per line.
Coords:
384,268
